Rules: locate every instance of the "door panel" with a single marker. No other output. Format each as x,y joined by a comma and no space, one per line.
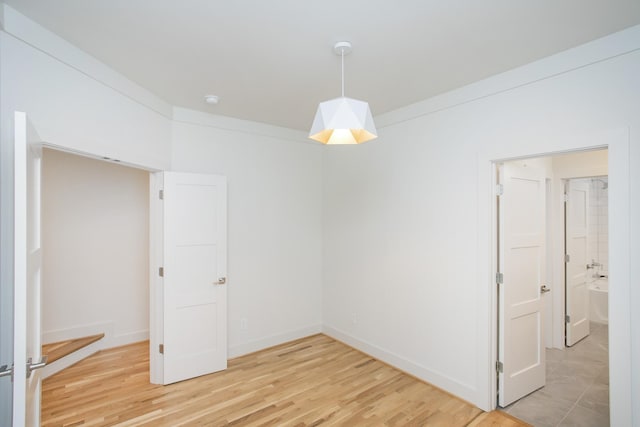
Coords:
577,295
27,273
194,307
522,262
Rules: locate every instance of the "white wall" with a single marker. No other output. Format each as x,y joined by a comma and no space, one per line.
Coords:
275,198
274,224
396,231
75,102
407,217
95,239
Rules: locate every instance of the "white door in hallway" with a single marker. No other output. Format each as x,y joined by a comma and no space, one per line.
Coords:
27,274
577,295
522,264
194,275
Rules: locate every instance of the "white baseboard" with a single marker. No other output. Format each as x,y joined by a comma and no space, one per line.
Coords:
130,338
58,335
463,391
107,328
273,340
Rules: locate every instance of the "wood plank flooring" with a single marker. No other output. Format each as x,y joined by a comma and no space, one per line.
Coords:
58,350
497,419
308,382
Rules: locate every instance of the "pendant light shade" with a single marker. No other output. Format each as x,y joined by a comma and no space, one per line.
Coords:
343,120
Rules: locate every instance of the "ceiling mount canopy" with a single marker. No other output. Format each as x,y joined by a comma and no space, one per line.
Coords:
343,120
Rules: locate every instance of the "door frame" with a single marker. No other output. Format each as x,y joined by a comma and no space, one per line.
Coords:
155,326
55,147
617,141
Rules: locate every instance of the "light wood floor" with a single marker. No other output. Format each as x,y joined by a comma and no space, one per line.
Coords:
309,382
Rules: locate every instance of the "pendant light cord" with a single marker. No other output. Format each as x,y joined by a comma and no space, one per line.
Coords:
342,54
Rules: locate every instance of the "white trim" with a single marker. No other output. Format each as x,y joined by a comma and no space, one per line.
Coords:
272,340
620,360
487,321
156,296
126,339
602,49
57,335
20,269
111,339
96,156
464,391
193,117
22,28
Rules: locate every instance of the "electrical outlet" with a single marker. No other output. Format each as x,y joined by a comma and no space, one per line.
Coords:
354,318
244,324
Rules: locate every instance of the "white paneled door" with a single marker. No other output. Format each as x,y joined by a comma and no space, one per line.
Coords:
522,264
27,273
194,275
577,295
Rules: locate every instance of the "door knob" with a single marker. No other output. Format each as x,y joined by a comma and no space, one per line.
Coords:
221,281
544,289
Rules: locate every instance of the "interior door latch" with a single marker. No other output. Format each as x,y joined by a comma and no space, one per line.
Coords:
6,371
38,365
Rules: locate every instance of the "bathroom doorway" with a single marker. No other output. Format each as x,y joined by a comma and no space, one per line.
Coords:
576,372
587,259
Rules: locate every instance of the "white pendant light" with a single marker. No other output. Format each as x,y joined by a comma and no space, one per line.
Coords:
343,120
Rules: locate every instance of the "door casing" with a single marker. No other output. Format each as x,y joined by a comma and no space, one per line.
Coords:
617,141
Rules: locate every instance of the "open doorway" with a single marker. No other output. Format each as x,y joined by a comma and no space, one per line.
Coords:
95,237
569,384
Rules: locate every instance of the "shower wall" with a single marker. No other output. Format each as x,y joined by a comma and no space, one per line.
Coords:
598,230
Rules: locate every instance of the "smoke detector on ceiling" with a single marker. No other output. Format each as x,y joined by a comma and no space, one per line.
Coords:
211,99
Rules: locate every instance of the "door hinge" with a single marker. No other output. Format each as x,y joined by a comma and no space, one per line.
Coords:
499,278
567,318
161,194
567,258
499,189
499,367
566,197
161,272
161,348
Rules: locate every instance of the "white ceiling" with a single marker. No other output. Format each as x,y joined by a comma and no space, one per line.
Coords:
272,61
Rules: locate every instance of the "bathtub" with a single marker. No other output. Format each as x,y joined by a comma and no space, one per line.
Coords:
599,301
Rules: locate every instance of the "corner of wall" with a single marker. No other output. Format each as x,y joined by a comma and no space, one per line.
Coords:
461,390
273,340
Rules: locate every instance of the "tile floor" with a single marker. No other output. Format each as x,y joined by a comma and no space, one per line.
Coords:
577,388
